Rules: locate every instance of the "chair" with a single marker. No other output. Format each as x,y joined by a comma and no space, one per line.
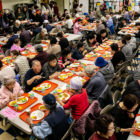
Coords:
105,98
86,121
68,131
116,96
106,109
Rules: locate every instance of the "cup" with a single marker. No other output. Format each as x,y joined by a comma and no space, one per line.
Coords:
28,111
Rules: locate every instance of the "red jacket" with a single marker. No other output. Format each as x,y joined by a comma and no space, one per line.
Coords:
78,103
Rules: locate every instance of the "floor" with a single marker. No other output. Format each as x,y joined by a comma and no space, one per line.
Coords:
7,133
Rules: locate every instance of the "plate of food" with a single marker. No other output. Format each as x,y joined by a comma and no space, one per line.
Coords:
63,76
137,126
75,65
42,107
45,85
59,90
22,100
89,55
39,89
63,96
13,103
37,115
69,74
82,80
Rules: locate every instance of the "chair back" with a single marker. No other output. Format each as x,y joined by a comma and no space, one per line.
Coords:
116,96
106,109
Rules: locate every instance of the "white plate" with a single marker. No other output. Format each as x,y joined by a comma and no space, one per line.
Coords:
20,102
45,85
74,65
66,76
38,114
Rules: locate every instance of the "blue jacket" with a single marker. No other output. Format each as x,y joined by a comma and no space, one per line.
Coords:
77,54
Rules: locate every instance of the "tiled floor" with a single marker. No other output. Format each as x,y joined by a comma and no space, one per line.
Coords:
7,133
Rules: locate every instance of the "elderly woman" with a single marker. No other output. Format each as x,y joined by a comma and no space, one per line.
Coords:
79,101
104,127
10,90
56,30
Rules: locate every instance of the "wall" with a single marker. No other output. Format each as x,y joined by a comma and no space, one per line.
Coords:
8,4
60,4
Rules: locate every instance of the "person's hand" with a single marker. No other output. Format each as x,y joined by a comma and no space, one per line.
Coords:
82,74
12,97
66,63
130,130
131,115
84,52
29,120
37,77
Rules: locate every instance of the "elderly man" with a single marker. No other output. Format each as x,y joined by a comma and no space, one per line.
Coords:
96,84
99,26
128,16
55,125
33,76
47,26
41,36
110,24
56,30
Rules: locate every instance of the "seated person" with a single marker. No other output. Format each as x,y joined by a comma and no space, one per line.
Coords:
9,90
91,42
21,64
79,52
65,59
110,24
104,128
76,27
130,41
121,24
51,68
123,113
63,42
133,88
41,56
78,103
56,30
17,26
54,47
6,70
41,36
16,46
118,56
69,22
96,84
137,35
125,48
33,77
55,125
99,26
102,37
47,26
106,68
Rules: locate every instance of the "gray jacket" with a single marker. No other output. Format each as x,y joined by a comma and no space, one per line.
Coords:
107,71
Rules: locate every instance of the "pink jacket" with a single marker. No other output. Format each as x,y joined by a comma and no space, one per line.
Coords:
76,28
5,94
87,119
17,48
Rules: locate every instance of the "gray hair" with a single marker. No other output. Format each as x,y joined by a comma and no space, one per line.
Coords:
90,69
7,80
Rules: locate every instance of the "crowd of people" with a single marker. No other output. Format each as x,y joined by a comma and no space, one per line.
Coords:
34,26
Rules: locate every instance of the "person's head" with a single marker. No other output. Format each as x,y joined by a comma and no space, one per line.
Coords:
17,42
65,11
130,102
46,22
14,54
24,8
97,23
80,46
67,17
103,33
39,49
100,62
121,43
87,17
9,82
1,64
81,5
104,125
19,10
107,17
60,35
46,12
110,9
127,37
91,38
123,21
79,20
76,85
53,41
50,102
114,47
130,13
67,54
36,66
17,23
43,32
138,25
52,60
89,70
34,12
